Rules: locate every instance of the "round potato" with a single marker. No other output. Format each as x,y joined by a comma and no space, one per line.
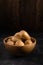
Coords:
18,35
9,42
28,42
19,43
25,35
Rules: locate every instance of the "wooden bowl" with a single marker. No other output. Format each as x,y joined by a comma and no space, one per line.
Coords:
19,50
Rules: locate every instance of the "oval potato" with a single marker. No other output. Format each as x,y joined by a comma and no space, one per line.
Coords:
24,34
19,43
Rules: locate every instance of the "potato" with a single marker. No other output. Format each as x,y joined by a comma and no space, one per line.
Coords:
19,43
28,42
18,35
24,34
9,42
12,38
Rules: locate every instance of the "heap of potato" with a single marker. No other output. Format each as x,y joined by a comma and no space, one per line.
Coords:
20,39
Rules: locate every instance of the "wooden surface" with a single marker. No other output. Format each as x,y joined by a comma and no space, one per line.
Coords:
21,13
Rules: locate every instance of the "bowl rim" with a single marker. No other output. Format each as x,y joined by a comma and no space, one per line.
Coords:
4,40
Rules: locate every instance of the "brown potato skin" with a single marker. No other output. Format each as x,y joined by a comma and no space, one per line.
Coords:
24,34
18,35
9,42
19,43
28,42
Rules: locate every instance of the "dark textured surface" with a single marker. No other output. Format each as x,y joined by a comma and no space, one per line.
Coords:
21,13
35,58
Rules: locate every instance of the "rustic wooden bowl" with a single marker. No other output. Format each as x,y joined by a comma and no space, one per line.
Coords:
19,50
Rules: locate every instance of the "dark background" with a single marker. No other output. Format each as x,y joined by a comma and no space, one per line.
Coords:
21,14
16,15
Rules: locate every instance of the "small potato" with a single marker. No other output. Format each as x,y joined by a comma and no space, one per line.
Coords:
13,38
19,43
18,35
24,34
9,42
28,42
